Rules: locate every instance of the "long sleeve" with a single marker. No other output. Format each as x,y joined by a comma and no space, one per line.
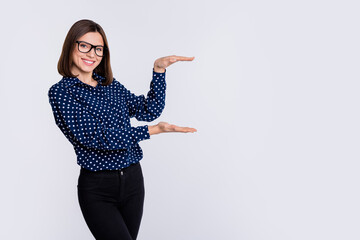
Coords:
72,116
151,107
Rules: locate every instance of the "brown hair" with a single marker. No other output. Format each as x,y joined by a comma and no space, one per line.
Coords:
77,30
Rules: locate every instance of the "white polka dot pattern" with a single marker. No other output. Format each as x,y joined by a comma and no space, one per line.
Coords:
96,120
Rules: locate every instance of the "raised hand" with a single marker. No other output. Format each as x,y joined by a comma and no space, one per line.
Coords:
163,62
163,127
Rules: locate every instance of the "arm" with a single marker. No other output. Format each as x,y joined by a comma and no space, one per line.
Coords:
151,107
88,130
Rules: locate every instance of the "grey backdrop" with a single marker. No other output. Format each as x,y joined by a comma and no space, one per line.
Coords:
273,92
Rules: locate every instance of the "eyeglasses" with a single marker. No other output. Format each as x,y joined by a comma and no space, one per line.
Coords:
86,47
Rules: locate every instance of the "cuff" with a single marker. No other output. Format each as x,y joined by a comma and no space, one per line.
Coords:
141,133
159,78
157,75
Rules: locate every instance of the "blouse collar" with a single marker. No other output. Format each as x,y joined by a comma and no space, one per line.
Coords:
70,81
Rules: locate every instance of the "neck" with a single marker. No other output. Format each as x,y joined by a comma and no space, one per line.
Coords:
85,77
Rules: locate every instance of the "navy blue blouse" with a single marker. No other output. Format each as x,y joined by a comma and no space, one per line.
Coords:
96,120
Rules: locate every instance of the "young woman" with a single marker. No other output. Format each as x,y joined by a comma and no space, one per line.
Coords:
93,111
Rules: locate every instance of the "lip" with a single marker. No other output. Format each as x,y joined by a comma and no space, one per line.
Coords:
88,64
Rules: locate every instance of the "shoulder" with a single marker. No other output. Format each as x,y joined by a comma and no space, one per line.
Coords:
116,85
115,82
57,90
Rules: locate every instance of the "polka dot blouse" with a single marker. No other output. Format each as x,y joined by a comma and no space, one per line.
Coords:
96,120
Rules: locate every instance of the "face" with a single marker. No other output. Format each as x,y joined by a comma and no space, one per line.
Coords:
85,63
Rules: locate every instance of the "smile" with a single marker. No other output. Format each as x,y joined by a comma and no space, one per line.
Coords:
88,63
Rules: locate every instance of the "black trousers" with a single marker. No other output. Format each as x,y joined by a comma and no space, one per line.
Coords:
111,202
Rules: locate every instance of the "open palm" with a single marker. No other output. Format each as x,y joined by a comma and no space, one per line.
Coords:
161,63
166,127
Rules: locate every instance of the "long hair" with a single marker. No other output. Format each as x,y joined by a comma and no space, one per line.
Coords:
76,31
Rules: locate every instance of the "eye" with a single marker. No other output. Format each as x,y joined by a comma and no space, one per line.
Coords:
83,45
99,49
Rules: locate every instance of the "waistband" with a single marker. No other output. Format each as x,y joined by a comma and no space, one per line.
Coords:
84,170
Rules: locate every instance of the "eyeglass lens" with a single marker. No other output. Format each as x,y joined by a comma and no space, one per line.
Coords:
85,47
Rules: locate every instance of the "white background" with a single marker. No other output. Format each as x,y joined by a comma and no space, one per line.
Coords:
273,91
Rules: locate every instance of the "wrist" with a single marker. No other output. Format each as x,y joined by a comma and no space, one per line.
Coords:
153,130
159,70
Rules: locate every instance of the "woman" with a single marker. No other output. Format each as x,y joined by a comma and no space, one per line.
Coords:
93,110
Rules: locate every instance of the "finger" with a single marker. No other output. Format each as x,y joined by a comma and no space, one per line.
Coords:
181,58
191,130
184,129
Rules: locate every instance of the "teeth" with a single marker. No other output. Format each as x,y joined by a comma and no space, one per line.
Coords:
88,61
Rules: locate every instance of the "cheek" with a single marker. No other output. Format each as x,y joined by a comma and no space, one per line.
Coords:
76,58
98,62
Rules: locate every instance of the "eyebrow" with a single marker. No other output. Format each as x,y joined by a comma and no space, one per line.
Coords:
92,44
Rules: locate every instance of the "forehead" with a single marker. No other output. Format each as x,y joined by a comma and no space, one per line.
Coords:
92,37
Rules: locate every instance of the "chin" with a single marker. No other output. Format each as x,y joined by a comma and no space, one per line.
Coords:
87,70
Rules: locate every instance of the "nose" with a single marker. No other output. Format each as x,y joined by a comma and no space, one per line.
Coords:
91,53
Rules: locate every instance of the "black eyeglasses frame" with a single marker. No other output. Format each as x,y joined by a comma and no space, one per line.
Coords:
92,46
